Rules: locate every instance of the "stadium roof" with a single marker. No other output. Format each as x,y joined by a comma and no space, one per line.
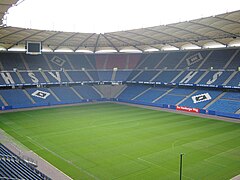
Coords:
220,29
4,6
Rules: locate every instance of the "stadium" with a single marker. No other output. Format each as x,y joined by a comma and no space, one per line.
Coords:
160,102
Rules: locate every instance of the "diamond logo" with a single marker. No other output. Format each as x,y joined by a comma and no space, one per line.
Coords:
194,59
58,61
201,98
40,94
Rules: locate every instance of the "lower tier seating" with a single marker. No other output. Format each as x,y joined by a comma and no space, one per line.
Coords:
12,167
205,99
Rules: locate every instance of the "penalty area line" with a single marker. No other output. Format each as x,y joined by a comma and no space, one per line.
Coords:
154,164
57,155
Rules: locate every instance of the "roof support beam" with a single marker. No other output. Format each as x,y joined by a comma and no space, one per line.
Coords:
204,37
164,33
204,25
111,43
91,35
96,44
147,37
138,42
64,41
130,39
51,36
25,38
12,32
125,42
227,19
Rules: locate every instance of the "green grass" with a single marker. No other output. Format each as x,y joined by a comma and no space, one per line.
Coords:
111,141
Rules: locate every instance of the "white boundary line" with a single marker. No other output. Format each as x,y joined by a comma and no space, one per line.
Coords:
69,162
154,164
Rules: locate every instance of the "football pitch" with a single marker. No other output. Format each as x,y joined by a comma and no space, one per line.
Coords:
113,141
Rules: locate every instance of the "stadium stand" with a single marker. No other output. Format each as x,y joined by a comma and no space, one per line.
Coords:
35,62
122,75
122,61
105,75
79,62
215,77
146,76
165,76
151,94
78,76
194,59
12,167
32,77
87,92
131,92
218,58
16,98
10,61
171,60
66,95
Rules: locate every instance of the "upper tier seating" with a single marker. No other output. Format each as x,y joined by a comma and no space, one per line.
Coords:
81,61
195,59
218,59
121,61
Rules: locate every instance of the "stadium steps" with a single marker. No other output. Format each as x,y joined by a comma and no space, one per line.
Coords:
142,61
3,101
69,62
98,91
180,62
205,59
54,95
68,77
88,75
28,96
76,93
44,76
113,75
184,99
238,111
161,61
156,75
120,92
214,100
179,74
88,60
201,77
230,78
1,66
24,62
47,61
105,62
231,59
162,95
137,75
20,77
141,93
127,62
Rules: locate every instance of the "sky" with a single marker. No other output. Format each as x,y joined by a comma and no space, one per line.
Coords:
102,16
